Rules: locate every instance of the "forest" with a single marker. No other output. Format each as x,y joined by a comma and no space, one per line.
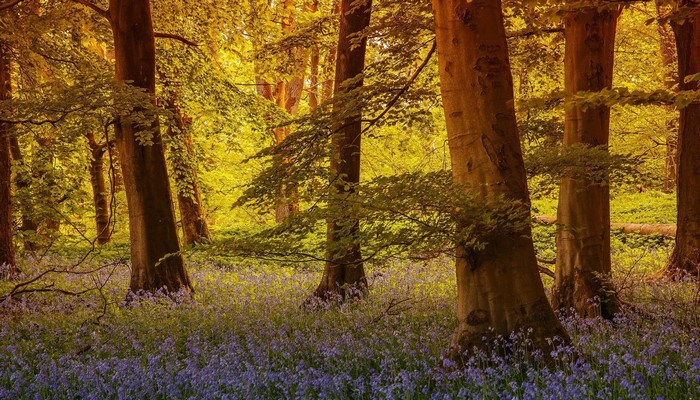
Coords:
349,199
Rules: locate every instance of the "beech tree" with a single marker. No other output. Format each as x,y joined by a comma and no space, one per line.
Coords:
344,271
669,59
156,260
499,290
99,188
286,90
583,215
189,198
685,258
7,249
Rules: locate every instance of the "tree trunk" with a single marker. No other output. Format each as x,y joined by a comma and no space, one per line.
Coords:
156,261
685,259
99,190
194,226
314,60
29,224
288,99
583,239
50,223
344,273
499,290
669,61
326,89
7,248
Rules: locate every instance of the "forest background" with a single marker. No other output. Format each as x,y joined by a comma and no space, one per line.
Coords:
247,108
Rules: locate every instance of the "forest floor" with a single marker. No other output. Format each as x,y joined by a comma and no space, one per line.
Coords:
243,335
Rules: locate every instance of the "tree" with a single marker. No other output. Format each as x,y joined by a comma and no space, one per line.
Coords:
499,290
99,189
285,92
583,237
7,249
189,198
156,261
344,271
685,258
670,61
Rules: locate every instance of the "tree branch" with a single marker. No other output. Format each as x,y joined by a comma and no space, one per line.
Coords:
10,4
403,90
94,7
546,271
175,37
532,32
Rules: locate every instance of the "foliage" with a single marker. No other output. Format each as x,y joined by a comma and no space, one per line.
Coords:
413,215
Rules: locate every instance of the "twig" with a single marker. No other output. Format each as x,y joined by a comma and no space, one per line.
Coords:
175,37
545,261
392,309
94,7
545,271
532,32
10,4
403,90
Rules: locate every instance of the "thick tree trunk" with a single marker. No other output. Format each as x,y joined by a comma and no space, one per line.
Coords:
344,273
685,259
669,61
156,261
7,248
499,290
194,226
99,190
582,280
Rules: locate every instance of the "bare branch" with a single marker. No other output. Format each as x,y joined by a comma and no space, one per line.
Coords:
532,32
395,307
403,90
10,4
545,271
175,37
545,261
94,7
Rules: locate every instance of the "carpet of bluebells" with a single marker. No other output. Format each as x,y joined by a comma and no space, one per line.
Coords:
244,335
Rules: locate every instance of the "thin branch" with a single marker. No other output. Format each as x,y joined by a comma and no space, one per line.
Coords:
532,32
403,89
10,4
94,7
545,261
175,37
546,271
395,307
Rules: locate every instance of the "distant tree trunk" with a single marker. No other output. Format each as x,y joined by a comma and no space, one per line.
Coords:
7,248
685,258
583,238
194,226
156,260
287,95
29,224
50,223
99,189
326,90
669,60
344,273
499,290
314,60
